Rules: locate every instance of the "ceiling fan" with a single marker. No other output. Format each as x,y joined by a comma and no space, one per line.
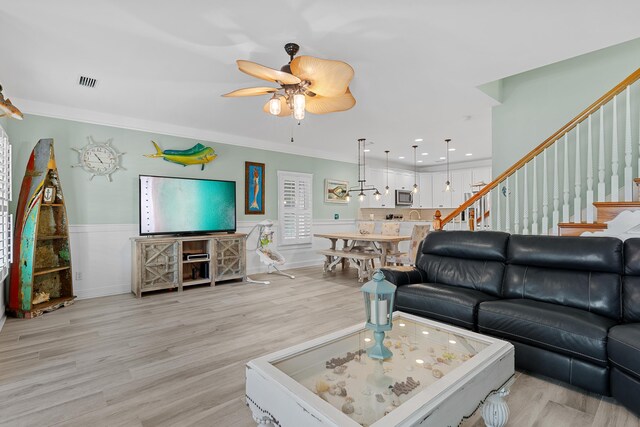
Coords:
319,86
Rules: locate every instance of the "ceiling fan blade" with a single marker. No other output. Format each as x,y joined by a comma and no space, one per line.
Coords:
323,105
327,77
266,73
285,111
252,91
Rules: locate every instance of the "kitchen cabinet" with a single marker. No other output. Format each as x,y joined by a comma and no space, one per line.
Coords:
424,198
441,198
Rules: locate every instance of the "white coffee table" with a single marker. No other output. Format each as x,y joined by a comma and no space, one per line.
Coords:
438,375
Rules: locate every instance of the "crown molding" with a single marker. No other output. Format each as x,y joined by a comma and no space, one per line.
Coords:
106,119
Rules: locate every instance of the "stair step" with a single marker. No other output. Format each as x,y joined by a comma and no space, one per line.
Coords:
577,228
609,210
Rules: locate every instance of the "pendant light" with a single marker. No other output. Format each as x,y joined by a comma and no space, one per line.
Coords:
386,189
448,183
415,171
362,186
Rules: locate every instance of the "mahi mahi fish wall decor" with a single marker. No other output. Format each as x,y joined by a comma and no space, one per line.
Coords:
196,155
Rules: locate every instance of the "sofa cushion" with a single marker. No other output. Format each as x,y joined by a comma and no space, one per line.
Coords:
624,348
569,271
631,281
565,330
472,260
450,304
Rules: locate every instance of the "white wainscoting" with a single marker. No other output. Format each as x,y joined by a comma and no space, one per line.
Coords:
101,254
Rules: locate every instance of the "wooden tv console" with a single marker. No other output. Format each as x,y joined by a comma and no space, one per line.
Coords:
178,262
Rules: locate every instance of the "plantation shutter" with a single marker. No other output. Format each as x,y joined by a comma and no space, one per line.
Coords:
294,207
5,197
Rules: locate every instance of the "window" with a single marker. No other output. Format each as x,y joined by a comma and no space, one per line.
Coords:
294,207
6,220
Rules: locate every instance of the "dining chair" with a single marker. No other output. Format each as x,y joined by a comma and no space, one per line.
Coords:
366,227
390,228
409,258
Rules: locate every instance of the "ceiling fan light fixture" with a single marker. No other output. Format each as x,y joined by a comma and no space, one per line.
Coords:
275,105
299,104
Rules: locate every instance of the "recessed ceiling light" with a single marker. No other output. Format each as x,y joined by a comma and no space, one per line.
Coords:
443,158
419,361
366,150
418,140
452,341
419,161
401,157
425,332
425,154
367,340
469,154
401,325
452,149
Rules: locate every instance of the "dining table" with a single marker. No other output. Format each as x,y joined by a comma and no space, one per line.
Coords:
362,248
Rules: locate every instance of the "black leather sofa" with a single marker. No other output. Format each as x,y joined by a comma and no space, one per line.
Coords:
569,305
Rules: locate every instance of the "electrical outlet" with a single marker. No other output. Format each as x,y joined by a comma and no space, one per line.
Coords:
78,275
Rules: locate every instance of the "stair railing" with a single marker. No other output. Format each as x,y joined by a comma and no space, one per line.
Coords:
525,199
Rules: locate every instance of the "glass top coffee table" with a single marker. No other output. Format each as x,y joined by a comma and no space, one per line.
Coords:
438,375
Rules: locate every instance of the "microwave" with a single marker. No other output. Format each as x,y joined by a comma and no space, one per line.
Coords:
404,198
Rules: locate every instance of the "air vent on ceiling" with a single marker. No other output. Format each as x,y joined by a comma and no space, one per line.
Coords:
87,81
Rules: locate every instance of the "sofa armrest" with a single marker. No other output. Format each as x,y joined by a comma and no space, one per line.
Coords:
401,276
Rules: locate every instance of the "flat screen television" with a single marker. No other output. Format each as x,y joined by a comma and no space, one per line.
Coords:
186,205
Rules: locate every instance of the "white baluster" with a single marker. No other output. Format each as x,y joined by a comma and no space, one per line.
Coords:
516,208
628,172
498,196
602,190
615,185
525,204
638,159
577,200
486,211
556,190
545,195
590,207
507,216
534,226
565,182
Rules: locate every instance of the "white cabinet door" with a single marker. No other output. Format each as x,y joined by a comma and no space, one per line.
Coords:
425,191
461,184
388,198
404,180
441,198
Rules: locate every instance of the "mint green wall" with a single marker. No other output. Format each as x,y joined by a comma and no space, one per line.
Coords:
102,202
537,103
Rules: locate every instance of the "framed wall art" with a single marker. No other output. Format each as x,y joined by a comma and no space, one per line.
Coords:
335,191
253,188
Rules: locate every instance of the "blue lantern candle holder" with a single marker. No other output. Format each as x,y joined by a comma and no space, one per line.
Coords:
379,298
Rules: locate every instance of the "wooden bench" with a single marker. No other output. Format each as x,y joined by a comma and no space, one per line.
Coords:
333,257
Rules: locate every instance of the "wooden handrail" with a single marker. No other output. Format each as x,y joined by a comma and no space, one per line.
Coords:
632,78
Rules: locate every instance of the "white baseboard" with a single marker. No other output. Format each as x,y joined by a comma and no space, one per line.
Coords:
103,291
101,254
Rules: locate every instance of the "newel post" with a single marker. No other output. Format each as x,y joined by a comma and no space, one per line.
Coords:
472,219
437,220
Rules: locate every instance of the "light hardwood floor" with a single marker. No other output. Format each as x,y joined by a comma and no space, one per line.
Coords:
178,358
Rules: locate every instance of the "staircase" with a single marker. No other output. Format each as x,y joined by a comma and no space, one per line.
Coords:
578,181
